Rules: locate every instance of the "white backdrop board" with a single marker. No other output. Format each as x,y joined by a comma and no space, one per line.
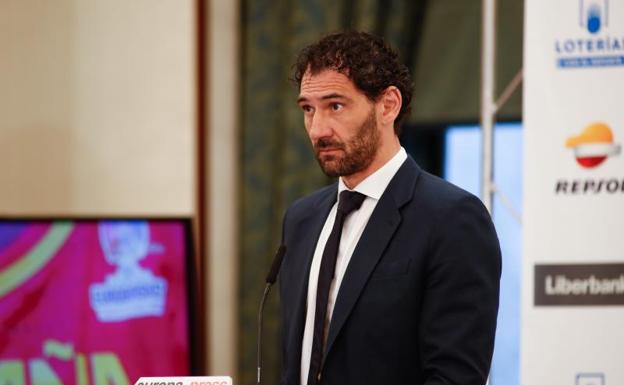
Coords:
573,286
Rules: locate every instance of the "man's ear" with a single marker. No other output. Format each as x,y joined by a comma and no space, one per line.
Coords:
390,105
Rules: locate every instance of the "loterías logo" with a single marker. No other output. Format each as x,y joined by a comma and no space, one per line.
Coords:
593,145
593,14
594,42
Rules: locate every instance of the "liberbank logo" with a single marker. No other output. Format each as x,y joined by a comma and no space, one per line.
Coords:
579,285
593,45
590,379
591,147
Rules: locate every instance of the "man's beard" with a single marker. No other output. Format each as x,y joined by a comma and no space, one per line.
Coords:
355,155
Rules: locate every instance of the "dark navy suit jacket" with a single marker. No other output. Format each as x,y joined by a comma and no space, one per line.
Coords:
419,299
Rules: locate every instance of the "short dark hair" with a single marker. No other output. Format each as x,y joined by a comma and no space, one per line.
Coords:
370,63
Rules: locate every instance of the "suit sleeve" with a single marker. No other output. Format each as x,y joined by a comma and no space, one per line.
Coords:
460,305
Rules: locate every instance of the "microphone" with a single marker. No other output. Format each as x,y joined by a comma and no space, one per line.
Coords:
270,280
277,263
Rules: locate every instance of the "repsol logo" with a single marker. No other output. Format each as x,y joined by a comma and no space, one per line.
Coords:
580,284
589,186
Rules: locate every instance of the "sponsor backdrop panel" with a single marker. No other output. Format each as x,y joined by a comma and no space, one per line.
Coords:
573,292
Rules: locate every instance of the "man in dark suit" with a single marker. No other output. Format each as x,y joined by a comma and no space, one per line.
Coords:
391,275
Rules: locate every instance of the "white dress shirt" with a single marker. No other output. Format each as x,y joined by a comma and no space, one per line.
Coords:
373,187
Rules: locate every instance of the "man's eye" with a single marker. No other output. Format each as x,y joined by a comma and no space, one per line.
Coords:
336,106
306,109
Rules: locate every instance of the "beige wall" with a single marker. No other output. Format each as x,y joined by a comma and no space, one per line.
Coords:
223,173
98,118
97,107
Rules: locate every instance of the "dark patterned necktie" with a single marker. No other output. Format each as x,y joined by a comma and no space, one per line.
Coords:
348,202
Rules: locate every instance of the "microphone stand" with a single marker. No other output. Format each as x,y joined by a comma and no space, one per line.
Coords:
267,289
270,280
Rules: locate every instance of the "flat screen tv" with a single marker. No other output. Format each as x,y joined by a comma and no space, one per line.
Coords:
93,302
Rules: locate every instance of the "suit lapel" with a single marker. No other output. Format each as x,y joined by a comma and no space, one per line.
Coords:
310,227
381,226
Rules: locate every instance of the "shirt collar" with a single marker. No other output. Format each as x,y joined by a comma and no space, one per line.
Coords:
375,184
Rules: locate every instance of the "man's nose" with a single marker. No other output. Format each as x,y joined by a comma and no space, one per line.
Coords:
319,126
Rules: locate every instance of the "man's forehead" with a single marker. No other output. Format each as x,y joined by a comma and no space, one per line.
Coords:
325,81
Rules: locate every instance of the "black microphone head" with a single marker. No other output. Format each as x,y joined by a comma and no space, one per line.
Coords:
277,263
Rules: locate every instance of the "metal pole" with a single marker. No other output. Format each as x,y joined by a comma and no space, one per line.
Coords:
488,66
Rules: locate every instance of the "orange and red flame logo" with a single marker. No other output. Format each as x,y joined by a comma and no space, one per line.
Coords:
593,145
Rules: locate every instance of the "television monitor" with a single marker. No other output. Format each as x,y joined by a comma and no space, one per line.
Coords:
93,302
